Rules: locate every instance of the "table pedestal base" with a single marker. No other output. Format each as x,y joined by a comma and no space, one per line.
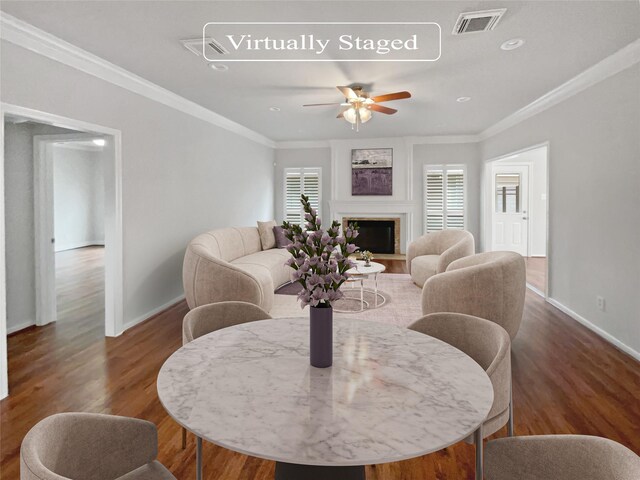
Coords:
292,471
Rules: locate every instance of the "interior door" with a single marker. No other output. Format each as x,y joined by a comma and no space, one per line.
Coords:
510,208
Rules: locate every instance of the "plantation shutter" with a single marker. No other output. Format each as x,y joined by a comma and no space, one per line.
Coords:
434,200
300,181
455,199
444,192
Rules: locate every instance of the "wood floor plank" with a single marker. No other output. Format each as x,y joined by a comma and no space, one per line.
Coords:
566,380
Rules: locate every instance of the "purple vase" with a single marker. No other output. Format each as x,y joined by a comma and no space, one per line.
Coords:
321,336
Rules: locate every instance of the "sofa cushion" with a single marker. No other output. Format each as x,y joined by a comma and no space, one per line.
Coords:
267,237
424,267
151,471
281,240
273,260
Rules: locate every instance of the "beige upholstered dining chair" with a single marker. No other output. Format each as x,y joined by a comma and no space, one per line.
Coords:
433,252
215,316
560,457
91,446
490,346
488,285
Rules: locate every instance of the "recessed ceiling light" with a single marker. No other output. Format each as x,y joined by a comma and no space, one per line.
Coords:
512,44
463,99
219,67
274,109
99,142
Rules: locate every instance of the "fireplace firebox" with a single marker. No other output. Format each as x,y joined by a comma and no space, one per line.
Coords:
378,235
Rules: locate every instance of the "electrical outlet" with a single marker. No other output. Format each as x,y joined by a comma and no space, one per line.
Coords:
600,303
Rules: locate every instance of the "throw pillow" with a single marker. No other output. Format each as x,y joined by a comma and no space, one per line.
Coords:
267,237
281,240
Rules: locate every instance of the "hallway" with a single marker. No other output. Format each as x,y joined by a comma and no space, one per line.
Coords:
80,286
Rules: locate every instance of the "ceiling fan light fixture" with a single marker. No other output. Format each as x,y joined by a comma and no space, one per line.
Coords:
351,116
365,114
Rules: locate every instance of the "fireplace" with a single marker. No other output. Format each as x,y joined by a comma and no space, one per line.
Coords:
378,235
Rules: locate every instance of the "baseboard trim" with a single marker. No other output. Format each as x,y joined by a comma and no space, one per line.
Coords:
21,326
594,328
152,313
73,246
535,290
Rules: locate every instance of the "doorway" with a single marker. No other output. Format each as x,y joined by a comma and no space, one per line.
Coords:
44,134
516,210
69,200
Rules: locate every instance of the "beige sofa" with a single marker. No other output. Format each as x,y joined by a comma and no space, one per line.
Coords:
432,253
230,264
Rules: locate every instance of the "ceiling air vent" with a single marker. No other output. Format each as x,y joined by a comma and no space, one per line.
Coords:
211,46
484,21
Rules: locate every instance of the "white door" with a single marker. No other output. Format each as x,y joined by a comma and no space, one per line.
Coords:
510,208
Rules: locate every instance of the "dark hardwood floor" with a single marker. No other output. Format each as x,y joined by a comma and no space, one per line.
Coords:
566,380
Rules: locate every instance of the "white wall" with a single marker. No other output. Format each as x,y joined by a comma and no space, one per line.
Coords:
594,199
298,158
181,175
19,221
467,154
78,187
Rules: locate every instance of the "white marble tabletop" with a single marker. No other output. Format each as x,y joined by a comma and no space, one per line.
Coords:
391,394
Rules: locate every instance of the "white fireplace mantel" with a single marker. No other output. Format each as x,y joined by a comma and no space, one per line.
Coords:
378,208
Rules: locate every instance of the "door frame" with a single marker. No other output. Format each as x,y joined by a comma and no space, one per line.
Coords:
114,277
487,202
493,200
43,194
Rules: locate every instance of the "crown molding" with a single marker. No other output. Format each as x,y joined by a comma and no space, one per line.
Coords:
27,36
303,144
410,140
615,63
442,139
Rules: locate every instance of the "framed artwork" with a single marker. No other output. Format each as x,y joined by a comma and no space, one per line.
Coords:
372,171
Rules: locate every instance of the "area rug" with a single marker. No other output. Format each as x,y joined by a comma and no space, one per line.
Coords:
401,308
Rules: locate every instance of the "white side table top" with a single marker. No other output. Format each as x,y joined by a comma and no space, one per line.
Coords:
391,394
360,270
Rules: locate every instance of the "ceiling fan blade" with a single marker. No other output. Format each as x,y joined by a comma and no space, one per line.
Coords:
320,104
347,92
382,109
391,96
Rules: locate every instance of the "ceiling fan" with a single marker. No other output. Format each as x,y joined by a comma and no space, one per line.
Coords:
358,105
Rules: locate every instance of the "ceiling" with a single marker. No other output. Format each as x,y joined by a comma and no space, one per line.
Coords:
562,39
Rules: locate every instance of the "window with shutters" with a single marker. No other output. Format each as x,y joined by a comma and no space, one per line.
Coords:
298,181
444,197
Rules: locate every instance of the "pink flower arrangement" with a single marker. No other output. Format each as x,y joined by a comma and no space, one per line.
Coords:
320,259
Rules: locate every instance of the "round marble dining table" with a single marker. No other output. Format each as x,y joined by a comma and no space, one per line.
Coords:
391,394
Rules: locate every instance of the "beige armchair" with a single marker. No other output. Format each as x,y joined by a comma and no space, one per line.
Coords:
490,346
215,316
91,446
560,457
209,318
432,253
488,285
